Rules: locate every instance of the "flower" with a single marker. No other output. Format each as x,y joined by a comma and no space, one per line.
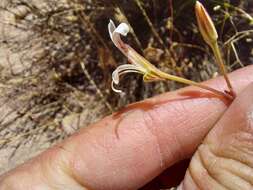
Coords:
138,63
142,66
205,24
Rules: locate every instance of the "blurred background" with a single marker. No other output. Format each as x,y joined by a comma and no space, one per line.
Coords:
56,61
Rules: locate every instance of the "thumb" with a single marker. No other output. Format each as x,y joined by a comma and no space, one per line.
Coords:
225,159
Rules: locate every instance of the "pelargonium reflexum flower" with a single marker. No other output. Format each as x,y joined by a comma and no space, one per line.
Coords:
138,63
206,25
142,66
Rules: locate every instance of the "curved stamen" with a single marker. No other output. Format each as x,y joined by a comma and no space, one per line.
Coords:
123,69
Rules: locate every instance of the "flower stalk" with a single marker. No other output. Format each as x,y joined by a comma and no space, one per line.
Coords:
210,36
220,61
138,64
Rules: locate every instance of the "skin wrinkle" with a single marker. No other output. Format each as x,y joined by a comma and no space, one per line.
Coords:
195,104
174,110
188,181
76,164
243,141
136,168
236,162
109,142
212,179
207,168
250,119
198,120
57,167
65,154
192,176
23,174
144,126
212,162
176,140
233,182
148,119
239,175
177,111
230,151
243,155
235,171
65,162
211,115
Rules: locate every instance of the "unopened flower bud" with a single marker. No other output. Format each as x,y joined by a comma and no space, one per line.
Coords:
206,25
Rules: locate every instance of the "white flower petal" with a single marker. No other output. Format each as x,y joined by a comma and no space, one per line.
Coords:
138,63
122,29
111,28
116,32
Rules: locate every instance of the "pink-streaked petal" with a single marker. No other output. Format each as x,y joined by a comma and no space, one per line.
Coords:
115,33
111,28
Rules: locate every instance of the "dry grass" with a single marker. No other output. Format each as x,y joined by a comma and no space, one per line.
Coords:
56,61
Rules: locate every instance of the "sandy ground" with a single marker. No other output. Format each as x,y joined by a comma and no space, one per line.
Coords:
16,146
